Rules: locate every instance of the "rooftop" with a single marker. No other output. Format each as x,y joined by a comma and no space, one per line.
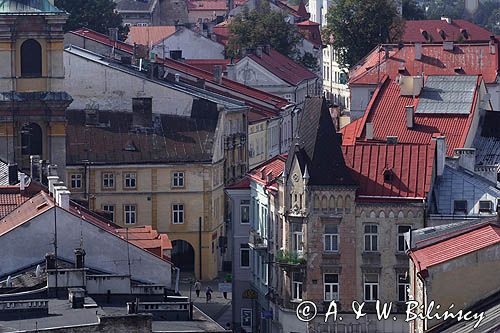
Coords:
149,35
467,59
387,112
283,67
391,171
456,243
28,7
196,5
487,142
317,146
135,5
429,31
267,173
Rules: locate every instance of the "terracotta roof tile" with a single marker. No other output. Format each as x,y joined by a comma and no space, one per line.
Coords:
474,59
456,246
283,67
457,30
272,168
150,35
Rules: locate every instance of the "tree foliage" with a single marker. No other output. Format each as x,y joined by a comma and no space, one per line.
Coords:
98,15
488,16
260,27
412,10
435,9
355,27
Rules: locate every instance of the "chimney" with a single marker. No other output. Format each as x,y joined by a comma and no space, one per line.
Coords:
263,174
35,167
43,172
269,177
418,51
177,77
79,258
267,49
369,131
52,180
230,71
22,182
440,154
410,116
142,112
466,158
13,179
218,73
258,51
447,19
50,261
53,170
493,46
63,196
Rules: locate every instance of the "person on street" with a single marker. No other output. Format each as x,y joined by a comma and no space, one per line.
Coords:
197,287
208,293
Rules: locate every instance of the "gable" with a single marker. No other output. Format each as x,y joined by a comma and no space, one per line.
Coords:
250,73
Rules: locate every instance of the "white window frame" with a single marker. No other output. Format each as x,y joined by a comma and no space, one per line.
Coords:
373,296
372,237
297,241
108,180
330,295
106,208
178,213
331,239
401,238
247,206
405,284
76,180
128,179
297,289
178,179
129,214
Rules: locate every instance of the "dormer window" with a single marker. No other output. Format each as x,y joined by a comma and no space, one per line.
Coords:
485,206
460,206
388,175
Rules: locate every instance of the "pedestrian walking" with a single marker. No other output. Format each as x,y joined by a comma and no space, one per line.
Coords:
197,287
208,293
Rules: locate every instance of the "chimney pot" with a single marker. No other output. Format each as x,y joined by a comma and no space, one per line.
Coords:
258,52
52,180
410,116
13,178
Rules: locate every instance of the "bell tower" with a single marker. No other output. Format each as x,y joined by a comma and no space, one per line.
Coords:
32,103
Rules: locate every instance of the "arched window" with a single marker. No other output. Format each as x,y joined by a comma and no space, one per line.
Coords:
316,202
31,58
31,139
324,204
332,203
347,204
340,205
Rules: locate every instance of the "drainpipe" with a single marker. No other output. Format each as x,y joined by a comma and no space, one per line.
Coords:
177,277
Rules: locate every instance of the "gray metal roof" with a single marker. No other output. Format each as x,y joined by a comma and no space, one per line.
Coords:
447,95
27,6
4,174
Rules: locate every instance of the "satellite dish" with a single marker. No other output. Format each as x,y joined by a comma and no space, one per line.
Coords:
9,282
38,271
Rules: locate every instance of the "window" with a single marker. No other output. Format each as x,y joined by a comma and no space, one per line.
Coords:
110,209
485,206
297,242
245,212
402,229
176,54
244,255
371,287
31,59
31,139
297,286
177,213
178,179
130,180
76,180
130,214
460,206
331,286
331,238
403,286
108,180
371,237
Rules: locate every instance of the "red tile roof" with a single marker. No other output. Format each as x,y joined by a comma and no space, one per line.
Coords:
10,199
283,67
240,185
386,111
197,5
273,167
456,247
147,238
149,35
457,30
222,32
474,59
310,31
270,103
409,165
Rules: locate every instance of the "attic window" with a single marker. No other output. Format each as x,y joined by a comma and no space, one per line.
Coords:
130,146
460,206
388,174
485,206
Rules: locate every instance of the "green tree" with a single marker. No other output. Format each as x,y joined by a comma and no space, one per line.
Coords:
355,27
260,27
98,15
488,16
435,9
412,10
309,61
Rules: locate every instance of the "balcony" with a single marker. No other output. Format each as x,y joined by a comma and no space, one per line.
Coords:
256,241
289,260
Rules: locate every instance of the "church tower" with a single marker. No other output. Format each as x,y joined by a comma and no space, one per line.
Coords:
32,103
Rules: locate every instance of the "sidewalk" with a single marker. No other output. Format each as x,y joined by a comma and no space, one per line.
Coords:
219,308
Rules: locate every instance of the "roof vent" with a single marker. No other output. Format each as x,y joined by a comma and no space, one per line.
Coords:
392,140
442,34
447,19
459,70
425,34
465,33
